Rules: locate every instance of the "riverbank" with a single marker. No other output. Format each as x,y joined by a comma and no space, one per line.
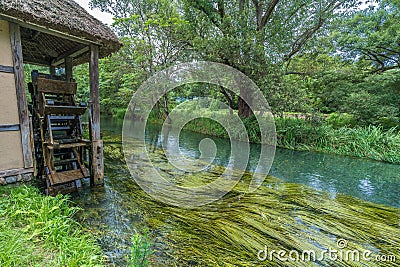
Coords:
369,142
38,230
300,134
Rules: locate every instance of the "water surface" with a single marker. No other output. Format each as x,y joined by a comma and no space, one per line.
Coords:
317,199
370,180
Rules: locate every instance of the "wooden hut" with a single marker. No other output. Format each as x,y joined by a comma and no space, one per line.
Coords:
58,34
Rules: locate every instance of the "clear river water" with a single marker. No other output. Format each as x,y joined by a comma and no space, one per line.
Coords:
352,186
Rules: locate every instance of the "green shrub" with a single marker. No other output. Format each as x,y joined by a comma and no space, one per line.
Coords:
140,250
366,142
119,113
341,119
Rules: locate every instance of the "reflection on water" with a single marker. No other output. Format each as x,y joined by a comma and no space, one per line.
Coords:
366,187
369,180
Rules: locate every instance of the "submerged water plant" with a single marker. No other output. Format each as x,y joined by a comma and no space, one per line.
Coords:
279,216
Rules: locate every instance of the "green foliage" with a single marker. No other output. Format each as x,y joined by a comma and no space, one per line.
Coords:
376,99
154,36
245,35
338,120
371,34
140,250
332,86
373,99
365,142
209,126
81,75
326,61
253,129
38,230
326,84
297,134
119,113
288,93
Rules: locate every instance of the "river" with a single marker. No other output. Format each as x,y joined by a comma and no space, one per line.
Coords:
315,199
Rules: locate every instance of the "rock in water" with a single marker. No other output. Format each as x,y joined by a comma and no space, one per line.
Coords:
3,181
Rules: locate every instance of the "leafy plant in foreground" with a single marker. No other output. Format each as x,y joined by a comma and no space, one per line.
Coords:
141,250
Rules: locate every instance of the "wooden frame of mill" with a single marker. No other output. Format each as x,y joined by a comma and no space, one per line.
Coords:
58,35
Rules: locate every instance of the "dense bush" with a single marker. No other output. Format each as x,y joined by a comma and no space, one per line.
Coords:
372,99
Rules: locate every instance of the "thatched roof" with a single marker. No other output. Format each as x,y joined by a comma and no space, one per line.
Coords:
62,16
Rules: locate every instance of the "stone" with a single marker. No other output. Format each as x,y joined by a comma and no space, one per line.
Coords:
3,181
19,178
11,179
27,177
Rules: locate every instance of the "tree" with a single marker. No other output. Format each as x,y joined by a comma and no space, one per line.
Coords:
154,33
256,36
372,34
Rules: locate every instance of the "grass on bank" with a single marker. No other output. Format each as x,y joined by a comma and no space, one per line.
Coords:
365,142
37,230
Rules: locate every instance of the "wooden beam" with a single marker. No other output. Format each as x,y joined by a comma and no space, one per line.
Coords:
97,168
47,30
39,62
68,68
9,127
66,176
94,89
56,87
33,143
77,51
16,47
6,69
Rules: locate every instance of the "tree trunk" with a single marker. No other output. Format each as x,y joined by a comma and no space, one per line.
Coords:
229,98
166,110
244,110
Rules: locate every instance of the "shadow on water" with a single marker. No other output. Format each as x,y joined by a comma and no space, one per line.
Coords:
287,213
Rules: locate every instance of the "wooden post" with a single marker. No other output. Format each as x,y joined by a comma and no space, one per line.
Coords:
97,175
16,47
52,70
68,68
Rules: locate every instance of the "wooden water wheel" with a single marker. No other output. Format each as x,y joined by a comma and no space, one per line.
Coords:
60,149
